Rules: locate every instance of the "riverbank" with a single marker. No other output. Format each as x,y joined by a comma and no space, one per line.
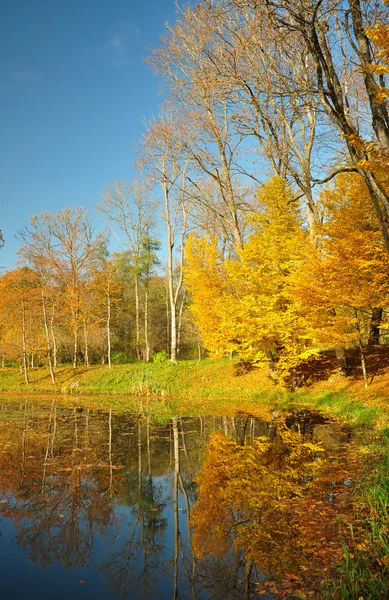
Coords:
207,379
140,379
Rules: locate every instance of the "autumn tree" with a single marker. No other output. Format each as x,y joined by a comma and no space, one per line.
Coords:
18,307
130,208
163,158
206,280
106,287
75,249
340,287
37,252
250,309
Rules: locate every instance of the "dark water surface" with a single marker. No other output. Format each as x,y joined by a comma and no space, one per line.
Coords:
95,504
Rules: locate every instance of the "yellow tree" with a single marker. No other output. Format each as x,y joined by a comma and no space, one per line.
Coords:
245,303
19,302
262,318
340,286
205,278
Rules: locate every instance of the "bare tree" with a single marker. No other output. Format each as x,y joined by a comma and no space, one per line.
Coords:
163,158
75,249
233,79
335,37
130,208
37,252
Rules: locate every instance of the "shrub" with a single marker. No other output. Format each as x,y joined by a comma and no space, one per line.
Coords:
161,357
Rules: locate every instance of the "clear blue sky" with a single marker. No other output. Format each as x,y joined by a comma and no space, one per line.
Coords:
73,92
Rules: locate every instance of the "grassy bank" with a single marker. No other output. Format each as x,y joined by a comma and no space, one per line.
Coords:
216,379
186,378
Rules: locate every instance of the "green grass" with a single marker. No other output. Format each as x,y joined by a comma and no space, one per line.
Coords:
181,379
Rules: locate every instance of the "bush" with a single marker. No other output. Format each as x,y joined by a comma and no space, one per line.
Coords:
118,358
161,357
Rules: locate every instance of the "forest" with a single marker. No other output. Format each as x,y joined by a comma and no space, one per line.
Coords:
258,222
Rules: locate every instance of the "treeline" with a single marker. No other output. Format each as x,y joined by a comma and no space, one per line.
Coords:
269,161
70,301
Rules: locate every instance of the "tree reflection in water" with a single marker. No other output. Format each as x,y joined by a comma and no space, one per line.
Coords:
201,507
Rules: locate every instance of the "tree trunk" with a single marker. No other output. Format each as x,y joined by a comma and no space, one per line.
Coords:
180,312
109,330
270,361
167,326
48,344
341,358
170,284
363,363
86,353
55,349
137,325
173,332
24,344
147,343
75,341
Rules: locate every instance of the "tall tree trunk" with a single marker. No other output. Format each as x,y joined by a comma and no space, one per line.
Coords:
48,344
173,332
147,342
167,324
53,338
363,363
109,330
24,343
86,353
180,312
75,340
137,322
170,285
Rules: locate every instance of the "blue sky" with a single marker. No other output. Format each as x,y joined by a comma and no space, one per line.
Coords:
73,92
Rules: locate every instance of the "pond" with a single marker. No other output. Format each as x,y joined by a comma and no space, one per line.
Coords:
108,505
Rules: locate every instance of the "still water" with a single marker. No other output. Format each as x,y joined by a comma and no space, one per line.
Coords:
97,505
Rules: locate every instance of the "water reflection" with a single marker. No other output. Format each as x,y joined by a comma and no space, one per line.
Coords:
106,505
